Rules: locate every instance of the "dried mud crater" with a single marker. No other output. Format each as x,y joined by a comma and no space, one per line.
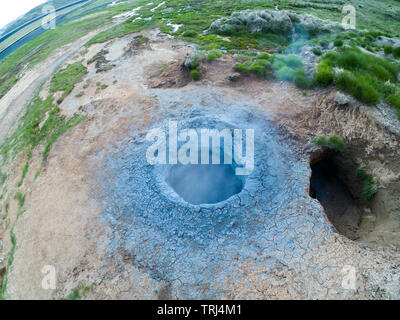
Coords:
102,215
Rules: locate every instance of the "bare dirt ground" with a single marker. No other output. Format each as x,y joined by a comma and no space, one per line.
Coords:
62,224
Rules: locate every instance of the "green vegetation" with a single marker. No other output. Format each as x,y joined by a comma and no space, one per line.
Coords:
396,52
41,123
195,17
190,34
66,79
3,178
24,172
317,51
324,43
300,79
214,54
101,86
74,295
370,187
283,67
366,77
194,74
324,75
388,50
334,143
287,67
358,86
395,101
255,63
59,126
338,43
21,201
140,39
78,292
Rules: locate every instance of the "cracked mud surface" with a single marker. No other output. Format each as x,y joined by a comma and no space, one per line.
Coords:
188,245
100,214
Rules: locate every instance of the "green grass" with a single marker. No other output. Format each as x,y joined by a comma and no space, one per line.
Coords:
24,172
323,75
370,186
334,143
317,51
366,77
338,43
358,86
28,135
300,79
189,34
195,18
282,67
3,178
66,79
40,123
285,73
60,126
394,100
74,295
21,201
396,52
388,50
214,54
195,75
78,292
286,67
256,63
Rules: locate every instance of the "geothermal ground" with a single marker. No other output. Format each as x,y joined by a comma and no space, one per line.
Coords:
105,218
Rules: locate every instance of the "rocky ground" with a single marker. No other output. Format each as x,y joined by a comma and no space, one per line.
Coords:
104,219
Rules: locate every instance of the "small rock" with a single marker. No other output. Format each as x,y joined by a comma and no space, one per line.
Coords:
234,77
310,147
341,99
367,210
190,58
367,223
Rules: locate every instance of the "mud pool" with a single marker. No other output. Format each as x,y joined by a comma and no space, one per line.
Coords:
202,184
197,242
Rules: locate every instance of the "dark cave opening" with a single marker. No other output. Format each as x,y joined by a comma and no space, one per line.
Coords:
329,187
